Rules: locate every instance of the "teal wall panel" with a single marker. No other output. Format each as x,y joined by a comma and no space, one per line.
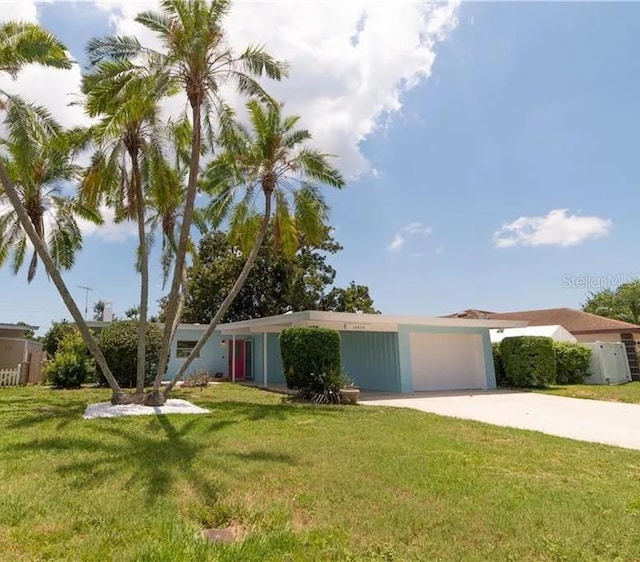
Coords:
371,359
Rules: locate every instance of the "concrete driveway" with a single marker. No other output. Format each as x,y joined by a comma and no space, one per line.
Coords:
611,423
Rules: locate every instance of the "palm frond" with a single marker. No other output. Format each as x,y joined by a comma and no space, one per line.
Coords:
24,43
113,48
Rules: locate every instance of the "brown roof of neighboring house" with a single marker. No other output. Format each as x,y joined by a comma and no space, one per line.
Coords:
575,321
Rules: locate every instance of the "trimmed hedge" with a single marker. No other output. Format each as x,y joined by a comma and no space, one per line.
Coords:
529,361
119,343
307,353
497,364
572,362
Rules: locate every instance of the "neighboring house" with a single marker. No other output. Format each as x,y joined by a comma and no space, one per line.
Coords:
16,349
584,326
556,333
379,352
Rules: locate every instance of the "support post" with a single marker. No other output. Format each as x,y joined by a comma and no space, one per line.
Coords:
264,359
233,358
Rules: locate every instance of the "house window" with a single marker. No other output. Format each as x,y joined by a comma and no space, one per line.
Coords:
184,348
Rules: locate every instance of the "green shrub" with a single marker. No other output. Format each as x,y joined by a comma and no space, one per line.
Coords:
572,362
309,351
119,344
54,336
71,366
529,361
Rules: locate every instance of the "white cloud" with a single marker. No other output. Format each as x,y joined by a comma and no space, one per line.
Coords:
412,229
417,228
109,230
345,83
557,228
397,243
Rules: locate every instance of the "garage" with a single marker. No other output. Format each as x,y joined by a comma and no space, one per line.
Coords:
447,361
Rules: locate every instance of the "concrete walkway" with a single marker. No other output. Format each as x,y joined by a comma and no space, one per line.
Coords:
611,423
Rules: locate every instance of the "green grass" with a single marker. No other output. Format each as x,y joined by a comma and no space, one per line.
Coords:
629,392
301,483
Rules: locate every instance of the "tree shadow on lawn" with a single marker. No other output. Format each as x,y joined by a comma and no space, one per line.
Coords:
257,412
155,456
34,416
21,412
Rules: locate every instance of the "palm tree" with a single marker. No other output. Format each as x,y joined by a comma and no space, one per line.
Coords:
38,159
22,44
128,159
269,162
196,57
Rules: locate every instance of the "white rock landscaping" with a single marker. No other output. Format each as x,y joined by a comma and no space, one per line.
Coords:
172,406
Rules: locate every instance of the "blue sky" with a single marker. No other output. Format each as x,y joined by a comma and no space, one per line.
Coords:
528,109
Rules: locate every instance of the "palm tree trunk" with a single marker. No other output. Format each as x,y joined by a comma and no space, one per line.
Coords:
181,251
228,301
181,298
144,277
118,396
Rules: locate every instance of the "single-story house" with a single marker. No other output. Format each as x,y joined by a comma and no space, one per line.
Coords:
17,349
585,327
379,352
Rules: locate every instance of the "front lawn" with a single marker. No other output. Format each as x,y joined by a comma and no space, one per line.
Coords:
301,483
629,392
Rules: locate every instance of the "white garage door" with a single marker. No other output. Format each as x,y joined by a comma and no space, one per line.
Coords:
447,361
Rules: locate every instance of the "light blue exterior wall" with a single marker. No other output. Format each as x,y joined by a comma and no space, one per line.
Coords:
371,359
404,344
213,357
274,364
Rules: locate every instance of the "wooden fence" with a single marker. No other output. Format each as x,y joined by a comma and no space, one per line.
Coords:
25,373
11,377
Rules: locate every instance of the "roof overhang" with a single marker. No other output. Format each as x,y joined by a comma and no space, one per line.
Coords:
346,321
18,327
631,329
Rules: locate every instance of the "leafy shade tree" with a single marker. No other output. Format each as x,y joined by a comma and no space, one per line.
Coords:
21,44
38,159
98,311
276,284
28,334
270,161
132,313
355,298
622,303
196,57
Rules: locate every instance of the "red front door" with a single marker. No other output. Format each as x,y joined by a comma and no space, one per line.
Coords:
240,360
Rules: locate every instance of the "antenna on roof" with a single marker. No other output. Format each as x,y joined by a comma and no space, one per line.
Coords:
86,300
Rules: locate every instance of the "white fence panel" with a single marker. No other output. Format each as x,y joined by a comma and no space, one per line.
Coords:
10,377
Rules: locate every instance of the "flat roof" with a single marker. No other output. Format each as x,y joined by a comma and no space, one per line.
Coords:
18,327
102,324
358,322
